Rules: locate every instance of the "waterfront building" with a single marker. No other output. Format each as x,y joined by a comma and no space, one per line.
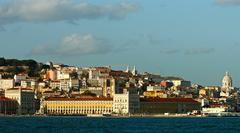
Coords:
77,106
168,105
126,103
215,109
8,106
7,83
25,99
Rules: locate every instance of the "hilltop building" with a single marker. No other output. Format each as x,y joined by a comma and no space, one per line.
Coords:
227,85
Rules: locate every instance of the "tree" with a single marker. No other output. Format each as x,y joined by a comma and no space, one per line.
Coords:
88,93
55,89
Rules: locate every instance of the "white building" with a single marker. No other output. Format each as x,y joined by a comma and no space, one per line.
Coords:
62,75
126,103
25,99
227,85
154,88
29,84
6,83
18,78
213,110
182,83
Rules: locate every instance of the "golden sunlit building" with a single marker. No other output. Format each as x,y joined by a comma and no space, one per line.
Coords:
78,106
160,94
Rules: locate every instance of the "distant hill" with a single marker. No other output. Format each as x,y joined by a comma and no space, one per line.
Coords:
15,66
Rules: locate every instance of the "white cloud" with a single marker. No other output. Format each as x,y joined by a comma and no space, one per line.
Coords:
83,44
76,44
59,10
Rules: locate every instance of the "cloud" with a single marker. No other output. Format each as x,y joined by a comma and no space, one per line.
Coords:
60,10
75,44
228,2
199,51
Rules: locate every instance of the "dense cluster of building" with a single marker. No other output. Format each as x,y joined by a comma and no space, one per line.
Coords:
68,90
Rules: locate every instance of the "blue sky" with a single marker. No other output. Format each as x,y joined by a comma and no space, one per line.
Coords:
197,40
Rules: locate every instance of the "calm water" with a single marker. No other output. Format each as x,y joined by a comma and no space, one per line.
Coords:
84,124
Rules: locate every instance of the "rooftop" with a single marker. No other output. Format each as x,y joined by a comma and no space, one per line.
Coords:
79,99
169,100
5,98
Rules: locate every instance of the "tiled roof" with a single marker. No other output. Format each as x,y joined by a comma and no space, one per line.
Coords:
169,100
79,99
5,98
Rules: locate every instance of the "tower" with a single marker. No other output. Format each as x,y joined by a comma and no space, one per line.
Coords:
127,69
134,71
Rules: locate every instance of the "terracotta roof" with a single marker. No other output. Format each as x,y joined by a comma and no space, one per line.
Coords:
20,88
169,100
5,98
79,99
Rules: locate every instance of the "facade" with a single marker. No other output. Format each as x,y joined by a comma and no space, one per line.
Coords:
126,103
77,106
62,75
214,110
52,75
6,83
20,77
25,99
109,86
227,81
168,105
160,94
8,106
227,86
65,85
181,83
29,84
154,88
55,84
69,84
96,90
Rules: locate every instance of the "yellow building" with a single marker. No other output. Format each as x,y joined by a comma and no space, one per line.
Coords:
78,106
160,94
202,92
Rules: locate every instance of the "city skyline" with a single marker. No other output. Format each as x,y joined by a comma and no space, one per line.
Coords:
196,40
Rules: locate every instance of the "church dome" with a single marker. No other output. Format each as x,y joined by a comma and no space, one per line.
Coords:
227,77
227,80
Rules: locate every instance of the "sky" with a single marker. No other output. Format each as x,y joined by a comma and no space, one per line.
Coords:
196,40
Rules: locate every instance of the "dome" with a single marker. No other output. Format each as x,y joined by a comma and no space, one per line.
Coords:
227,80
227,77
